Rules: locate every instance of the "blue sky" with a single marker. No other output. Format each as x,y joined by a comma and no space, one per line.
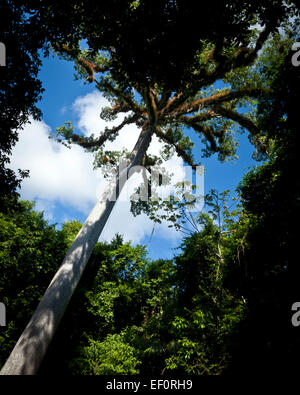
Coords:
62,181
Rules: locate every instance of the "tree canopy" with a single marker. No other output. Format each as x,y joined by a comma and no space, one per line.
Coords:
151,77
161,42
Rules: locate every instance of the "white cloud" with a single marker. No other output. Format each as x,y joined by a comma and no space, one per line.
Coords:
56,172
47,206
87,109
66,176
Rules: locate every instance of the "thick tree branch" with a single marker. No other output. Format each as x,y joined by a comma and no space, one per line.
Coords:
150,98
87,142
235,116
243,57
205,116
180,151
91,68
164,99
173,103
123,97
119,107
218,98
246,56
208,132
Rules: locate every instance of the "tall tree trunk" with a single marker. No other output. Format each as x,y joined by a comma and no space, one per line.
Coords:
36,337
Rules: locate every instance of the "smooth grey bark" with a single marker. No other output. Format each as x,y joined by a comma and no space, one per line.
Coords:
32,345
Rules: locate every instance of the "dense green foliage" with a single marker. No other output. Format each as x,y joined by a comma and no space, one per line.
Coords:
266,272
30,253
171,34
129,314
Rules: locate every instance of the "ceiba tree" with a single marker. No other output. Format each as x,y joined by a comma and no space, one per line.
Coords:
161,74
